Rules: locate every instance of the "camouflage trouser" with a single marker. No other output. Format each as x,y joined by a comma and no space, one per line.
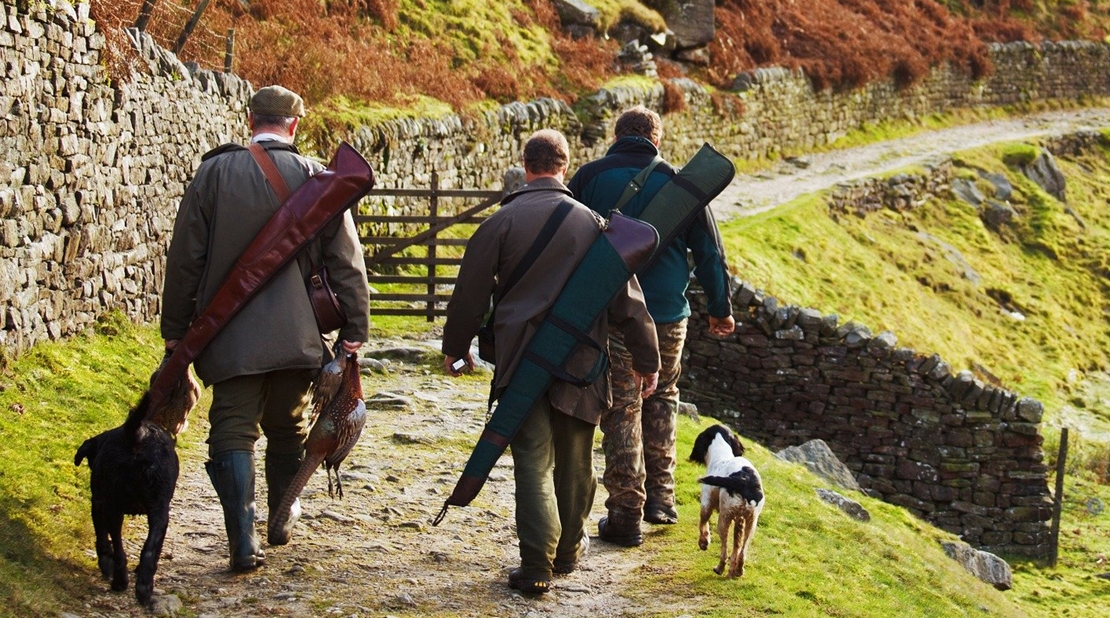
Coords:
639,435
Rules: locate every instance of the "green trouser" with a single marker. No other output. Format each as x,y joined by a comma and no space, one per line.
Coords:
274,402
555,485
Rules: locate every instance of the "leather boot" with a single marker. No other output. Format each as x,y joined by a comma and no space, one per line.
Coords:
232,475
620,530
280,470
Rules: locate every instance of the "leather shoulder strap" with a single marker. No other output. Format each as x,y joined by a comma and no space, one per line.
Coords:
637,183
273,176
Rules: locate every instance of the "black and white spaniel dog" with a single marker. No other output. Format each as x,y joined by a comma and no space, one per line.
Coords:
731,487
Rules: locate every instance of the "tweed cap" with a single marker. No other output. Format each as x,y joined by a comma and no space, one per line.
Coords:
277,101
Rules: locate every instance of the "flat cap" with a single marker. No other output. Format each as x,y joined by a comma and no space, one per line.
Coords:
277,101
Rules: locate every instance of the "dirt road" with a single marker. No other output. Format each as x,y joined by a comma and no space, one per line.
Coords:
752,194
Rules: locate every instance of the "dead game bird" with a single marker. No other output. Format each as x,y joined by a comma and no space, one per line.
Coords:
337,425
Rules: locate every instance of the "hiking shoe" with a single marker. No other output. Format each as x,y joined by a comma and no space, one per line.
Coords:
517,581
562,567
625,536
660,514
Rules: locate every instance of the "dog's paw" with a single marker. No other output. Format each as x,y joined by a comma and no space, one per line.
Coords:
107,566
142,593
703,544
720,568
119,584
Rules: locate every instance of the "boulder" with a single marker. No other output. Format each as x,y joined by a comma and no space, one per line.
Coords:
852,508
819,458
1047,175
577,13
692,23
984,565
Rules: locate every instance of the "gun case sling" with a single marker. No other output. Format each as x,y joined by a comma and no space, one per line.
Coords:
618,253
317,202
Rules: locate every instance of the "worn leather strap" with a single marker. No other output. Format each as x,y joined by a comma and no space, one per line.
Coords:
273,176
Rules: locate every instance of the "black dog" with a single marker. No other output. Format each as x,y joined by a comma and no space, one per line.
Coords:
134,472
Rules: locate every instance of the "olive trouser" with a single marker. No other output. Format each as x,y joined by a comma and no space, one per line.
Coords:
639,435
275,401
555,485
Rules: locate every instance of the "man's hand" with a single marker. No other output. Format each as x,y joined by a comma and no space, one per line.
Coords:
646,382
721,327
451,364
350,347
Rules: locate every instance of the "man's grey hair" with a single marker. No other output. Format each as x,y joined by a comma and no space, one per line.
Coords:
546,152
639,121
263,121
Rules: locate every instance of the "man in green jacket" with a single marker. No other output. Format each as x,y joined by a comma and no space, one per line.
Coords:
262,364
639,433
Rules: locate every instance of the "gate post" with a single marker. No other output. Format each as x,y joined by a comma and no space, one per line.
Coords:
433,209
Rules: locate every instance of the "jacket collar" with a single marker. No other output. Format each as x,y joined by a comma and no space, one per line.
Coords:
268,145
633,144
543,183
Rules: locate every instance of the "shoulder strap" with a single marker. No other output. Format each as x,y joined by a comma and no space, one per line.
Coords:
538,245
637,183
273,176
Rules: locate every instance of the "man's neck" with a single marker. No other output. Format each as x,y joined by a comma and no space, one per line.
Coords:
266,136
529,176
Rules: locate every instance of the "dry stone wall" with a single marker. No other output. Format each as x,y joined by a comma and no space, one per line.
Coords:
953,450
91,172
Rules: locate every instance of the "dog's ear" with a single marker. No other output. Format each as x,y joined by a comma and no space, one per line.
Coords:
701,447
737,446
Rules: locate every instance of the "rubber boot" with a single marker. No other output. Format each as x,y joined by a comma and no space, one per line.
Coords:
232,475
280,470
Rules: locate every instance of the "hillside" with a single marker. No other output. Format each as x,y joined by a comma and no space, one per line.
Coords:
375,553
436,54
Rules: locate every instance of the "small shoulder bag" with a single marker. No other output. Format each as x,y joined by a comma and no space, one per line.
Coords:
325,303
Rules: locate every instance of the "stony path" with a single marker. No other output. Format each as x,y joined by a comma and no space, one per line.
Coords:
754,193
374,553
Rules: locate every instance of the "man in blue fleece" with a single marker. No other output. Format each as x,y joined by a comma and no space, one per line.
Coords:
639,434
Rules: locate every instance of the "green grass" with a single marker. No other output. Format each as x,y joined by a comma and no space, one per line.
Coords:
51,400
810,559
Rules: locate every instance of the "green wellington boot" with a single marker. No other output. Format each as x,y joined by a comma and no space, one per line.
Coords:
280,470
232,475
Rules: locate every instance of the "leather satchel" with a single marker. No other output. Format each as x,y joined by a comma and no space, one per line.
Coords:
325,304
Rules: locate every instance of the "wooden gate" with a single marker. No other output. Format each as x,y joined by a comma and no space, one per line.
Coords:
387,252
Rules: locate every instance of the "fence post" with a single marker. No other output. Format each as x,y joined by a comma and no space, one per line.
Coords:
144,14
1057,507
229,50
189,27
433,211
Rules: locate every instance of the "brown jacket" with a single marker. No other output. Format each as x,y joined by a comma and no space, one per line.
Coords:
224,207
493,253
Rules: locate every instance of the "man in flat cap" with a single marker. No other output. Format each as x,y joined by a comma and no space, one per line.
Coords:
261,365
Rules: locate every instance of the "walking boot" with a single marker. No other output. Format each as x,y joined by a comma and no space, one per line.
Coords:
621,531
232,475
280,470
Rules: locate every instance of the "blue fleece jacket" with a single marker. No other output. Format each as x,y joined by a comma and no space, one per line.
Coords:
600,184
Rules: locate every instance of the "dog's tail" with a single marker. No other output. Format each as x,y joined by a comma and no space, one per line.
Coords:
87,451
743,482
133,426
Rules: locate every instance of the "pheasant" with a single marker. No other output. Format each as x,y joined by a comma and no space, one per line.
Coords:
338,419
